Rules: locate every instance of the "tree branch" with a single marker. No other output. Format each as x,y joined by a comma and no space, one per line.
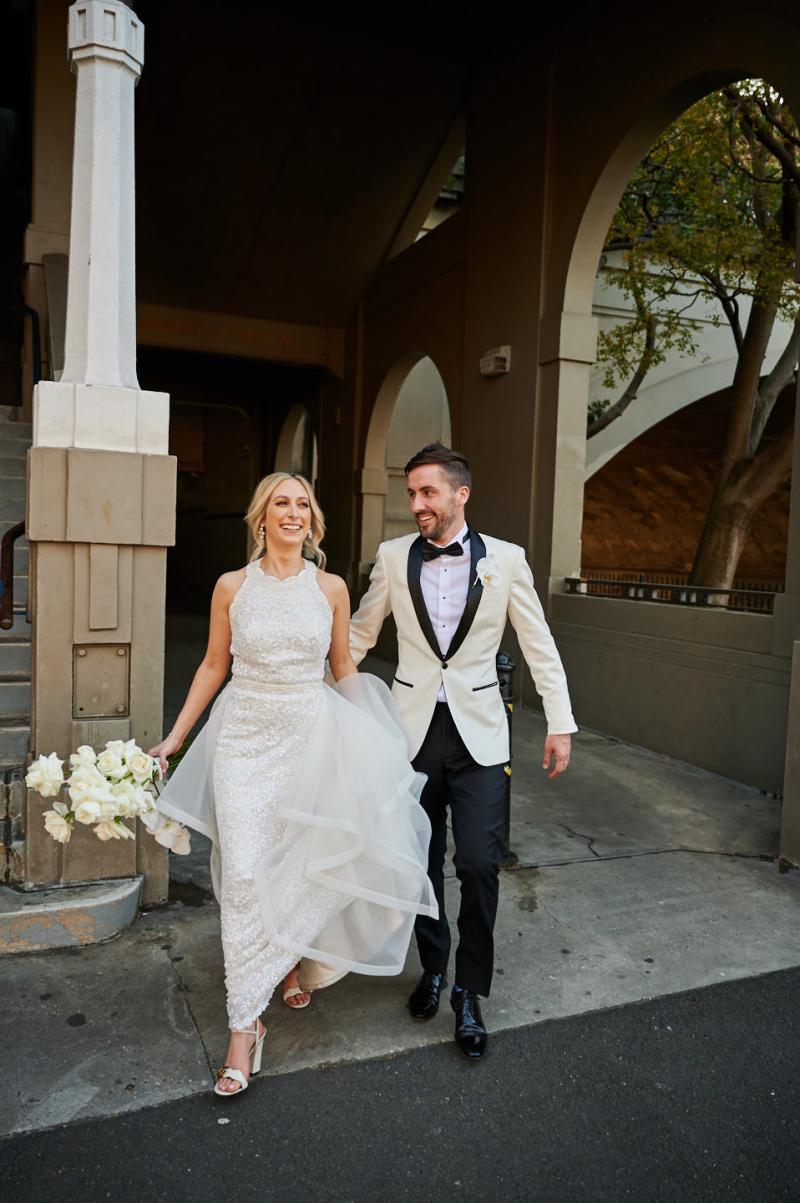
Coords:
774,120
729,306
787,160
772,387
615,411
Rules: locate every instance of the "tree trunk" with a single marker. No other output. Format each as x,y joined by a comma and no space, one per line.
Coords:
737,499
722,542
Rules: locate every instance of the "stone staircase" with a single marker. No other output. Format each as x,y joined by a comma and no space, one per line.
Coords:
15,645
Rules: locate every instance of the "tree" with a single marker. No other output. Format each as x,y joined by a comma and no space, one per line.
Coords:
711,213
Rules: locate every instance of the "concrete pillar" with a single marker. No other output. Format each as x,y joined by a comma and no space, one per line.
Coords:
101,485
567,352
790,819
53,99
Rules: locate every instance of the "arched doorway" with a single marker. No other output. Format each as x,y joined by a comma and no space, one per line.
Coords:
411,409
297,445
421,415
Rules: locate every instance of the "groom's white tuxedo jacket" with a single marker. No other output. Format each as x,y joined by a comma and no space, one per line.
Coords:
500,588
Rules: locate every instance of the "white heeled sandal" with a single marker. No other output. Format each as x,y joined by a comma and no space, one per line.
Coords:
236,1075
295,992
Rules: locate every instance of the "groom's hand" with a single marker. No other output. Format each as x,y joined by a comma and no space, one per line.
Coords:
556,754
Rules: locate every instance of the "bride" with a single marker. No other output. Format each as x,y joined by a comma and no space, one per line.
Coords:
319,844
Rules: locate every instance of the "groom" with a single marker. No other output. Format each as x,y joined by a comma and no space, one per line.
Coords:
451,591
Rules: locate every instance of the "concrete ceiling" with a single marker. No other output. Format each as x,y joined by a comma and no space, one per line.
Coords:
278,155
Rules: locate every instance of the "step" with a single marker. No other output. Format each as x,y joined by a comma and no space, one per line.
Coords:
20,589
18,636
12,466
12,510
6,524
15,733
15,696
15,431
13,443
16,452
12,487
10,413
15,658
66,916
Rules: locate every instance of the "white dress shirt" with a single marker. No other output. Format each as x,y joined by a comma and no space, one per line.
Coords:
445,585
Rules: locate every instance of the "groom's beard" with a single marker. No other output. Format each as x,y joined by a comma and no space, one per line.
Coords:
436,530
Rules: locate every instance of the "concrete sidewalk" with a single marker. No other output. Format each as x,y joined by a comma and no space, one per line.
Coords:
637,877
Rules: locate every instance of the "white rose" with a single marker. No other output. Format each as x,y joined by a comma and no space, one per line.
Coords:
116,745
140,766
488,572
84,757
130,748
183,843
93,792
88,811
107,829
110,762
131,798
84,779
58,822
45,775
169,833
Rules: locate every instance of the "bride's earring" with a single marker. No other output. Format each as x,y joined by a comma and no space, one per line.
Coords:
262,533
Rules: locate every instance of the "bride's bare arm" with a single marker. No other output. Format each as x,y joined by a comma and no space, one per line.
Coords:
341,662
213,667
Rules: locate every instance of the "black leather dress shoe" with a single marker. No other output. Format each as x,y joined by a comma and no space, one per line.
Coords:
424,1002
471,1036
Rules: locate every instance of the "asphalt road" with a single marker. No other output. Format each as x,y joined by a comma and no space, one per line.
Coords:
690,1097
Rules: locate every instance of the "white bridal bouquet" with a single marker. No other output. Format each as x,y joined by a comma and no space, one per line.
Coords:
105,788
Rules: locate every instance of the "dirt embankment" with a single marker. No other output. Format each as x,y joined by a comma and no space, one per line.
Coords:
644,510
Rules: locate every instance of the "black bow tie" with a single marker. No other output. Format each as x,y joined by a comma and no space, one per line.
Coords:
431,552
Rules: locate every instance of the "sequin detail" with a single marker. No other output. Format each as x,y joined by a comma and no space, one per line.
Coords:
281,631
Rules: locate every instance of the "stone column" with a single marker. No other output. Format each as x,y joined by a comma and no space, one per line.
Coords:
101,485
790,819
567,352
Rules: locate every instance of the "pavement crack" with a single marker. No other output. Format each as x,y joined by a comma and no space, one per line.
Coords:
560,864
589,839
188,1006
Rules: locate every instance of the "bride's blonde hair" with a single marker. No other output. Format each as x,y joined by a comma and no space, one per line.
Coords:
257,509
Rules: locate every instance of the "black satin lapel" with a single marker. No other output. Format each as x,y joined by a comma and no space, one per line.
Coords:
415,589
475,593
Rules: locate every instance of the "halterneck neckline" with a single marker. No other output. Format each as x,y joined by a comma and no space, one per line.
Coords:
282,580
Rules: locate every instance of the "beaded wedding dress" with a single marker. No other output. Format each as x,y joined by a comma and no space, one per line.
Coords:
319,844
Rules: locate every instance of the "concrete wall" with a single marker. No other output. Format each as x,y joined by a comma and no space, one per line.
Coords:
700,685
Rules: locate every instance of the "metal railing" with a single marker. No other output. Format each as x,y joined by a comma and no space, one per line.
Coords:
674,589
7,575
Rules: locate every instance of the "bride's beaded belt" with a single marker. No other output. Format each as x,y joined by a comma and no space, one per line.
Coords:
247,683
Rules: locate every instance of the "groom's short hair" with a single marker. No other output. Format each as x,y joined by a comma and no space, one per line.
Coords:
454,465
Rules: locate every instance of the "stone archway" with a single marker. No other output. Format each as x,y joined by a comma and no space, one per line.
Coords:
569,330
411,408
297,444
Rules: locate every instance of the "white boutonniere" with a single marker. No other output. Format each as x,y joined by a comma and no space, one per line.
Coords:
488,573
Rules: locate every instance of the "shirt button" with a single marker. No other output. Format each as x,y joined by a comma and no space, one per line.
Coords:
444,664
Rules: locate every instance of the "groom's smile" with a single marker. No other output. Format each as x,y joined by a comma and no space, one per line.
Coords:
437,508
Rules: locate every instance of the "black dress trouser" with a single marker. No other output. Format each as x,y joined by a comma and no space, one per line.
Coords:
476,796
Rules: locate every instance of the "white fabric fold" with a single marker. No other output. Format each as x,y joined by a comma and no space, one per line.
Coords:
354,816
